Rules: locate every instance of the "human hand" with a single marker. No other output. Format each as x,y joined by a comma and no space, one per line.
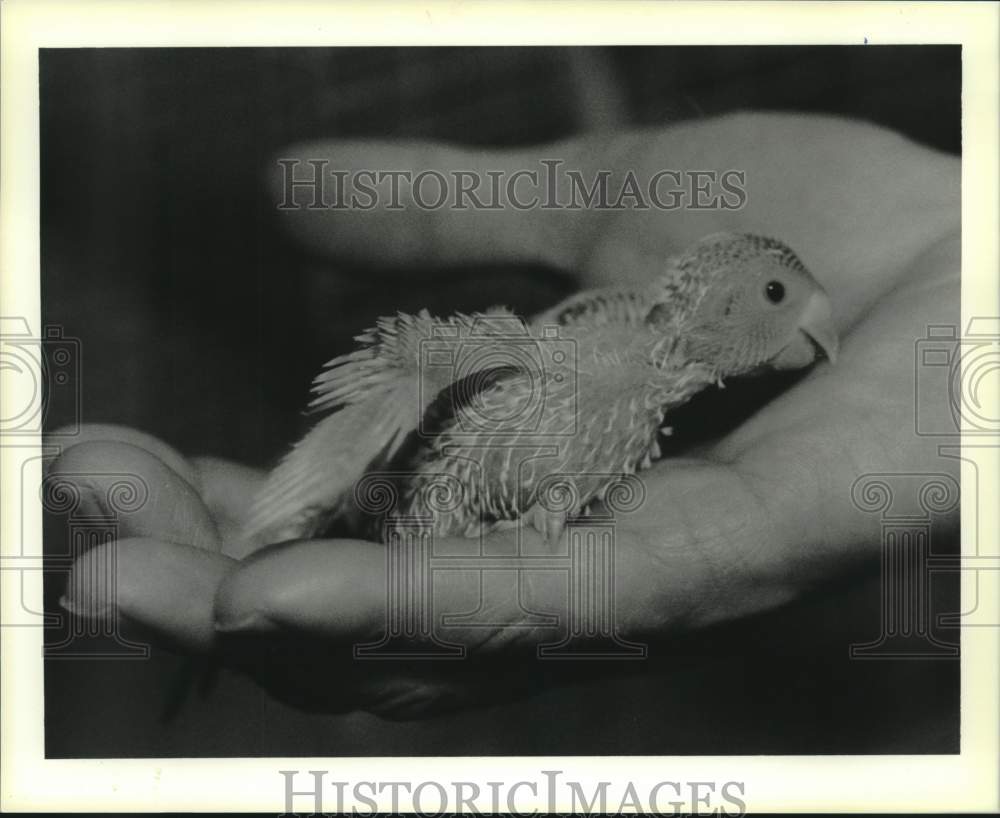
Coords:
758,518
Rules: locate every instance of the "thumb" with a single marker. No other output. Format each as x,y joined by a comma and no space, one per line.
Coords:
165,588
333,589
350,590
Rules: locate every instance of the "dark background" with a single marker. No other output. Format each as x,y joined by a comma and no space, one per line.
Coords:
200,323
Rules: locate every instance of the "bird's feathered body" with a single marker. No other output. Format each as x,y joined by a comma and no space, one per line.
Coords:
524,427
464,419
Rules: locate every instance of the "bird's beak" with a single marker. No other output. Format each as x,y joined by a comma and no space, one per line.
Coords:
814,333
817,323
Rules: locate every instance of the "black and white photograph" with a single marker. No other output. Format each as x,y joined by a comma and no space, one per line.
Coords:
469,401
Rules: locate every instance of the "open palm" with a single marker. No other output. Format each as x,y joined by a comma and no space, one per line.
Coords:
737,525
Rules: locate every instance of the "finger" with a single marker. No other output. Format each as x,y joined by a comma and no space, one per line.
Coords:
331,588
404,228
295,615
228,490
144,495
340,590
855,224
801,181
111,432
166,588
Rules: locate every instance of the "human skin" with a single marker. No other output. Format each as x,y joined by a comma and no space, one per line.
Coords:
749,522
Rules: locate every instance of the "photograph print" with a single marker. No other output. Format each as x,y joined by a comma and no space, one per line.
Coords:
501,401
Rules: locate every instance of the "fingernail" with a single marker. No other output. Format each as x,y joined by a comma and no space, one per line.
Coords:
254,621
67,603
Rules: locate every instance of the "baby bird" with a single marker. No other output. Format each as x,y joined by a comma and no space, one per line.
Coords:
472,418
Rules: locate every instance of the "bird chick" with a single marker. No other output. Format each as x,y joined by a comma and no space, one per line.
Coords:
469,418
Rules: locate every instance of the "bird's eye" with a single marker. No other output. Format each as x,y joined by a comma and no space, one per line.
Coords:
775,292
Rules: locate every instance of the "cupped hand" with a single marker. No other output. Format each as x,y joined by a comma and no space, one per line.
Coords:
759,517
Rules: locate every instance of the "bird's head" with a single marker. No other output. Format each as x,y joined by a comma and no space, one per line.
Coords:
742,302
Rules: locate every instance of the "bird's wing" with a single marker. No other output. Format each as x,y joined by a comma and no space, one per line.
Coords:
597,307
378,395
673,286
